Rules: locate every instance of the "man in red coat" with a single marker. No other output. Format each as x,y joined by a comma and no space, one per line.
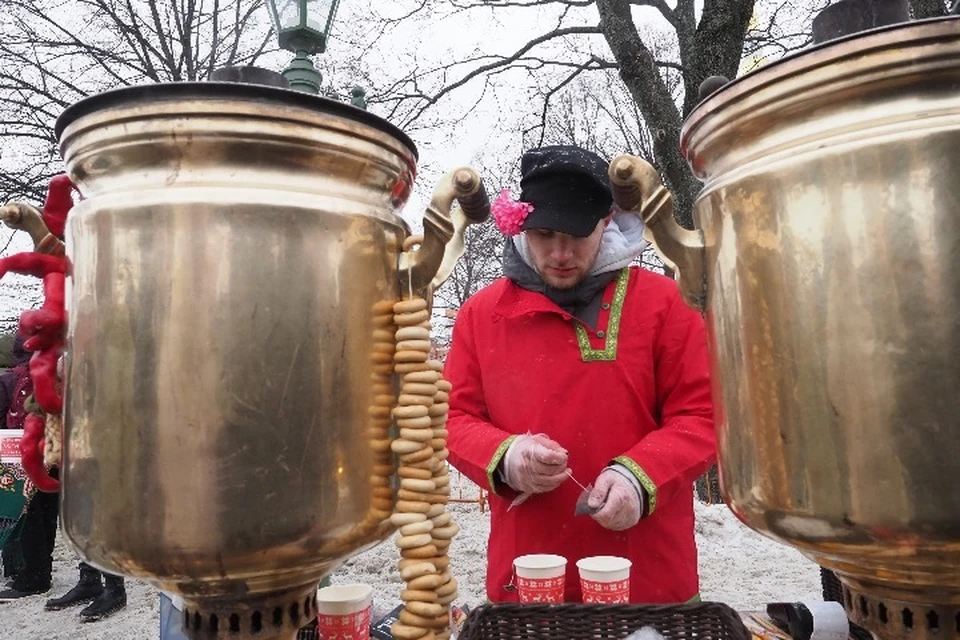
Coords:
578,364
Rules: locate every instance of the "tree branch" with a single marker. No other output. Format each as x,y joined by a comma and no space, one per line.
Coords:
506,61
53,54
639,73
588,64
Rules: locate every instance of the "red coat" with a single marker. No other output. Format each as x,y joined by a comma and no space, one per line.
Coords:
637,391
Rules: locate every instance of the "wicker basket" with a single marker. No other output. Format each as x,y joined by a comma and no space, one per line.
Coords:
700,621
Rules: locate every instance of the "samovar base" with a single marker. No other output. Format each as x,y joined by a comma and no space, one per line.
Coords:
894,619
271,616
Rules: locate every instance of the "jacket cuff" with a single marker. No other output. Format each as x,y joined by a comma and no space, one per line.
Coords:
648,485
495,462
626,473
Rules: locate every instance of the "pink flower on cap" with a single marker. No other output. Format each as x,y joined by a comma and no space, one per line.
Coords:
509,214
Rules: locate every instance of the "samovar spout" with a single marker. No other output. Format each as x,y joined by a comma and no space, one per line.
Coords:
444,228
637,187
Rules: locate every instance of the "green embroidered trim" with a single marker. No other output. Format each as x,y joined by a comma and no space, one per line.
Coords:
694,600
609,351
497,455
648,485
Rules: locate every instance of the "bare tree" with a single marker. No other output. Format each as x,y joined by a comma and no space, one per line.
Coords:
53,53
660,62
593,112
661,51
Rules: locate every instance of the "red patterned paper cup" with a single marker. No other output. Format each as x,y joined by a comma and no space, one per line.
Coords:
344,612
605,579
540,577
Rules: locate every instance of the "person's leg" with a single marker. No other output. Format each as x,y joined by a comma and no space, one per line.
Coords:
12,553
171,619
36,548
50,517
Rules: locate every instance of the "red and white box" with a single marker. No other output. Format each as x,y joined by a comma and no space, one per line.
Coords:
10,445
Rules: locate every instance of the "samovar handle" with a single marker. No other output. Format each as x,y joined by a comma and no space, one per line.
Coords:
24,217
637,187
444,227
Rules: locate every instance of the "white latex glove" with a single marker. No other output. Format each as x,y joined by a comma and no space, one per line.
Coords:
619,501
534,464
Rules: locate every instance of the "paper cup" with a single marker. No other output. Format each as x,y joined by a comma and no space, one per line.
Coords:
540,577
605,579
344,611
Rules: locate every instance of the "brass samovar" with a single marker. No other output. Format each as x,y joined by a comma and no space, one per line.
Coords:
827,264
234,252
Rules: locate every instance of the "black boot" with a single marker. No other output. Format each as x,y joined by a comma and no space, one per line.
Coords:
22,587
113,598
88,588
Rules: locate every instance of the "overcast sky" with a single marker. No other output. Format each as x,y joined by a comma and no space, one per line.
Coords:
477,125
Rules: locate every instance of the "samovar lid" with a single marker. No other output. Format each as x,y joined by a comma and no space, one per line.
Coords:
824,53
151,93
821,77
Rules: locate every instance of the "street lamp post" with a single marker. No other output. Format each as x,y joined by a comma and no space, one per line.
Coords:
302,28
358,97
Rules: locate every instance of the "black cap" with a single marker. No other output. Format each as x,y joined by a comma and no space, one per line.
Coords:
568,188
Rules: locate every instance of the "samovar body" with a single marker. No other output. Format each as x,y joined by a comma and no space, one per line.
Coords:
235,252
826,262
